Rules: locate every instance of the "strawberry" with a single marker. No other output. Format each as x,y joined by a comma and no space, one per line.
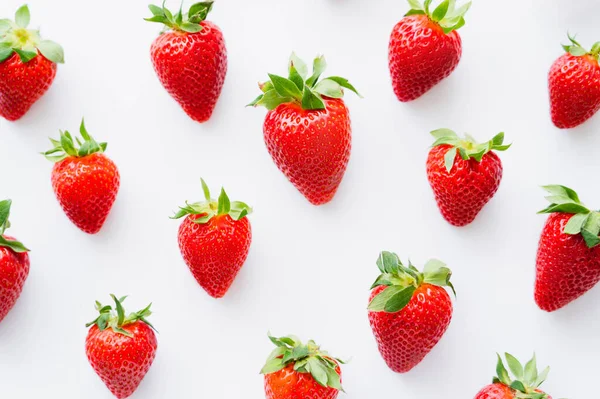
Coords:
14,264
190,58
574,85
525,386
121,348
214,239
409,311
298,371
307,129
568,257
84,180
463,174
425,47
27,65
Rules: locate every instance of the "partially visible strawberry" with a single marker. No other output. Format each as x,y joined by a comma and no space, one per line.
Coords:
463,174
425,47
121,348
190,58
307,129
85,181
27,65
525,386
409,311
297,371
574,85
14,264
214,239
568,257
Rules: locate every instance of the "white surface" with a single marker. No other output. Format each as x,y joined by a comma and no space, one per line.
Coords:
309,268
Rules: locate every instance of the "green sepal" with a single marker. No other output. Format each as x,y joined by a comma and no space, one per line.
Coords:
117,319
301,89
15,245
526,380
15,38
67,147
210,208
576,49
466,147
189,21
446,14
584,221
305,358
402,281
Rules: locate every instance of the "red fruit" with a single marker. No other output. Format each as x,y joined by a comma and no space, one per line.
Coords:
214,239
27,65
190,59
409,312
121,348
463,174
526,386
307,129
306,372
85,181
425,48
14,264
574,85
568,257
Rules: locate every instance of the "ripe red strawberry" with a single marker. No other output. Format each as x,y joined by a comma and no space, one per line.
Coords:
14,264
190,58
568,257
121,348
463,174
409,311
297,371
27,65
425,47
574,85
526,385
214,239
307,129
84,180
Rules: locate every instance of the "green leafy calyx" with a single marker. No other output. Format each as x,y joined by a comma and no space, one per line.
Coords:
526,380
4,225
584,221
26,43
446,14
577,50
466,147
116,319
210,208
402,281
181,21
300,87
67,147
309,359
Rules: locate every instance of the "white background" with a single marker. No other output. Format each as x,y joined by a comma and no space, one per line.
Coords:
309,267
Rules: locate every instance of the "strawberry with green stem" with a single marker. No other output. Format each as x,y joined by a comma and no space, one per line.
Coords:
190,58
568,256
307,129
214,239
14,264
574,85
409,310
425,47
85,181
464,174
27,65
121,347
298,371
525,385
